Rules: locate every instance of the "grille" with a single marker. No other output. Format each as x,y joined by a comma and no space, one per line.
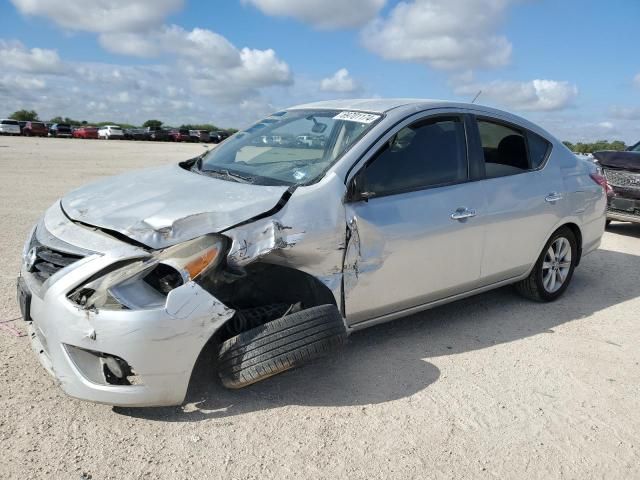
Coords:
49,261
620,178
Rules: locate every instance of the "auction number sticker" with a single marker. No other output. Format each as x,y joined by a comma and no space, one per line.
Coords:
357,117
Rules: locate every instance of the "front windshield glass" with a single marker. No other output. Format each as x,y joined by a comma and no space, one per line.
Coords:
288,148
636,147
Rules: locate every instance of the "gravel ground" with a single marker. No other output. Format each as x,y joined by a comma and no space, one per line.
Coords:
489,387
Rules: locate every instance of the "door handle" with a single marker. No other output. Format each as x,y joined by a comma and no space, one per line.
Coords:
463,213
553,197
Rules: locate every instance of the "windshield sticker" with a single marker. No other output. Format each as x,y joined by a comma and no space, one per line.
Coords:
357,117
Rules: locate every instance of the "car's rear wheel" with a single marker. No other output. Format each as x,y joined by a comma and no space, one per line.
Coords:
553,271
280,345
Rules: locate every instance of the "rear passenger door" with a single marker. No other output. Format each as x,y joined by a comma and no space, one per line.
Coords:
524,197
415,221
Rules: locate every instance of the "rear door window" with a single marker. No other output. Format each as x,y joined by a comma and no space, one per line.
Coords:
504,149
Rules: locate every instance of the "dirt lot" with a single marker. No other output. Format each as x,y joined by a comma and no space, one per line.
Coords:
491,387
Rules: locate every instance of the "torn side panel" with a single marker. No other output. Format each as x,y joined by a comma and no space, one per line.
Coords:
307,234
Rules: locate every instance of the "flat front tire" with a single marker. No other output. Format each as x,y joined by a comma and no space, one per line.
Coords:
554,268
280,345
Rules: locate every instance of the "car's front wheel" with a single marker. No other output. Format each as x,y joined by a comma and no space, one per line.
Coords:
553,271
280,345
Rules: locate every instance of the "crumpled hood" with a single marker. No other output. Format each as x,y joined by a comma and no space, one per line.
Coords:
624,160
163,206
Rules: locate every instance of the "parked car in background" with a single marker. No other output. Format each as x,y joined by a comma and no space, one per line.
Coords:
199,135
21,123
35,129
9,127
110,132
274,254
180,135
157,134
622,171
218,136
136,134
86,132
60,130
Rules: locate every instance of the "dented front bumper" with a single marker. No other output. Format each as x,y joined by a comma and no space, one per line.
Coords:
158,347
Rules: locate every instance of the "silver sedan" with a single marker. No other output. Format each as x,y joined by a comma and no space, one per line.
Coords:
315,222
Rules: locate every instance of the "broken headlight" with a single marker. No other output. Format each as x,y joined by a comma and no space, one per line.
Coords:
145,282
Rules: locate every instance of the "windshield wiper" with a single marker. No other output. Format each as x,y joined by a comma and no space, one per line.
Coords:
231,175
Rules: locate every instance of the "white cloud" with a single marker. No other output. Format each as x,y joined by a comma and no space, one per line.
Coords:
325,14
576,128
445,34
15,56
101,16
15,83
340,82
209,62
199,44
625,113
534,95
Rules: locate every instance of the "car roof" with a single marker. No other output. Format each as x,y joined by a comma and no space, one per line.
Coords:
413,105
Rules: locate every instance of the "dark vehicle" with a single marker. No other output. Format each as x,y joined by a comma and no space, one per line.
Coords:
22,124
181,135
218,136
35,129
157,134
199,136
136,134
60,130
622,171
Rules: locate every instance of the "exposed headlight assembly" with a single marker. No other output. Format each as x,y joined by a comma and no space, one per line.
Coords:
145,282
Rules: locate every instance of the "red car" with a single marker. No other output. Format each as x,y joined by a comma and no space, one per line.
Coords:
85,132
35,129
181,135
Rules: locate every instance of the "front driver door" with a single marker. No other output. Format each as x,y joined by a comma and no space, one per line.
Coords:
415,221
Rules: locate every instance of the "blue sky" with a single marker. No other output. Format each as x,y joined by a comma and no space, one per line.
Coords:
569,65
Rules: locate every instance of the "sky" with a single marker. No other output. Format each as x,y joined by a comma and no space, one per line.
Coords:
571,66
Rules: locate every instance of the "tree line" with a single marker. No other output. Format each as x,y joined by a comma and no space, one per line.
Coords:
598,146
32,116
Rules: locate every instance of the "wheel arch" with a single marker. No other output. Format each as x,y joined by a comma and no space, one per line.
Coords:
263,284
575,229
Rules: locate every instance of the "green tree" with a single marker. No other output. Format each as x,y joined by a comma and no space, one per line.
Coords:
24,115
569,145
152,124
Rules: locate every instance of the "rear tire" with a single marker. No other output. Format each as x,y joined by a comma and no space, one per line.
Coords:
280,345
555,264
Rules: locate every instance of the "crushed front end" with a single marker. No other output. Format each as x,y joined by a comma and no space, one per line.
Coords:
114,322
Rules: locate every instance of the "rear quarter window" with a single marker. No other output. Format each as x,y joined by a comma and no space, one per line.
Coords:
539,149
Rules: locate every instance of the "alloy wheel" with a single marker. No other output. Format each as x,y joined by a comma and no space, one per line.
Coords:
556,265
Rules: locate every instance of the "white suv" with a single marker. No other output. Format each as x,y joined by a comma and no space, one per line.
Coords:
110,131
9,127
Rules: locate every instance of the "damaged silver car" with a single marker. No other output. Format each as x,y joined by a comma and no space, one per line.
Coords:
315,222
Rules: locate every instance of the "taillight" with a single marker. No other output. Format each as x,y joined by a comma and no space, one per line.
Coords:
601,180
